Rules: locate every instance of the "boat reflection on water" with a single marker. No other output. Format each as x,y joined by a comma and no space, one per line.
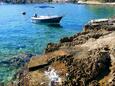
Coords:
54,25
50,26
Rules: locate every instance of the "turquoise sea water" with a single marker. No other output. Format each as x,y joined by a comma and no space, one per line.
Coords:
19,34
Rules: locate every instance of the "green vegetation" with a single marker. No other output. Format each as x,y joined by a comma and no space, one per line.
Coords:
107,0
50,0
101,0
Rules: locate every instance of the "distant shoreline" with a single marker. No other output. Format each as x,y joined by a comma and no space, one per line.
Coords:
95,3
79,2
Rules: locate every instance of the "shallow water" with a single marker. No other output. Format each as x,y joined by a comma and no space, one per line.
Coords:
18,34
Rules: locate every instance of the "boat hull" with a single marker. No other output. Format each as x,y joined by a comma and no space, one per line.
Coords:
50,20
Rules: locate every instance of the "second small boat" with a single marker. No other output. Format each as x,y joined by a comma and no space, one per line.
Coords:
47,19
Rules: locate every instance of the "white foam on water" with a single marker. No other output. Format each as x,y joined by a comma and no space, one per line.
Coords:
53,76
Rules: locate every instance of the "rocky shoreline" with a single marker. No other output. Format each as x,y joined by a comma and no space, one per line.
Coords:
85,59
96,3
37,1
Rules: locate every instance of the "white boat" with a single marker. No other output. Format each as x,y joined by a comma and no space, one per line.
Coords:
46,19
99,21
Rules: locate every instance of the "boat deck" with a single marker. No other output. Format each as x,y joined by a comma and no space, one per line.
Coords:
44,17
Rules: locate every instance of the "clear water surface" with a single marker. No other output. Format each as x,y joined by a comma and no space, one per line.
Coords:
19,34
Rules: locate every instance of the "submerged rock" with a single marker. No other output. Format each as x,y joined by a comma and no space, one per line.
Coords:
16,61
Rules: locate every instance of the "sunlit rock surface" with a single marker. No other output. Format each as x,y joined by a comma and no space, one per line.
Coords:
85,59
